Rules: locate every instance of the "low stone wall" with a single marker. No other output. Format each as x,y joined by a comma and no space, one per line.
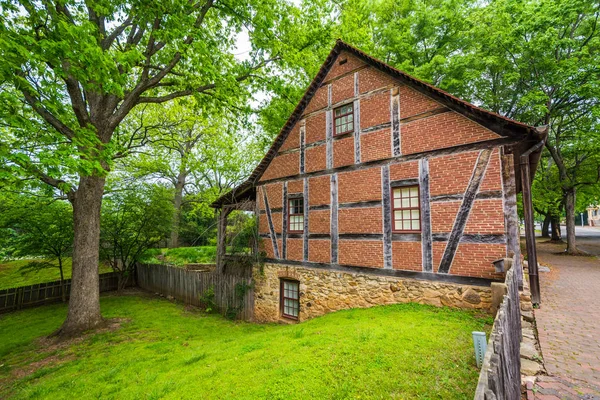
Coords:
323,291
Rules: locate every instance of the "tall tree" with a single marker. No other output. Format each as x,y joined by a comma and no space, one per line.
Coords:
71,73
538,63
200,150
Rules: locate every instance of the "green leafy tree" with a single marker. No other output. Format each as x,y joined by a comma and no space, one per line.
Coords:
39,228
538,62
72,71
133,221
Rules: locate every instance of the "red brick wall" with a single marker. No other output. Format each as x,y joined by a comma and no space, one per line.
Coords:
315,128
283,165
451,174
407,255
443,215
471,259
343,152
405,170
315,158
319,221
351,64
493,175
342,89
295,186
295,249
319,190
375,110
277,218
440,131
368,253
376,145
413,102
371,79
486,217
263,224
268,247
293,139
274,194
362,185
360,220
319,250
318,101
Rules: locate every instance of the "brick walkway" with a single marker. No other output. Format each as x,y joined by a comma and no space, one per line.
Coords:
568,323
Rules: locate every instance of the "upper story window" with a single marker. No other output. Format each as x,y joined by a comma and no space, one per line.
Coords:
344,119
406,211
296,215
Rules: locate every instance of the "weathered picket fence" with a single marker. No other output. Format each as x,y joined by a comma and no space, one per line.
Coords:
47,292
232,292
500,377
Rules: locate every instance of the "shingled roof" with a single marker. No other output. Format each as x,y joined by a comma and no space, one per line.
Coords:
497,123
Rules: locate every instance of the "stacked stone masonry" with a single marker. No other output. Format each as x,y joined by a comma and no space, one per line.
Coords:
324,291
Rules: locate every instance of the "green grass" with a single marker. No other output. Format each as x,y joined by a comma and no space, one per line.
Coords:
11,276
163,351
181,255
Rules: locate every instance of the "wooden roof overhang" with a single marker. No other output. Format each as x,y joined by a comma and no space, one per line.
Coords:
525,136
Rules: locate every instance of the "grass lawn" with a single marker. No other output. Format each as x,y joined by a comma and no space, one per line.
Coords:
181,255
11,277
163,350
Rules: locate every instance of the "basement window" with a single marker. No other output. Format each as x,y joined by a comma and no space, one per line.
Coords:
290,298
406,211
344,119
296,215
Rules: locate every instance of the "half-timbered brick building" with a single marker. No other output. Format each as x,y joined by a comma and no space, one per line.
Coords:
382,188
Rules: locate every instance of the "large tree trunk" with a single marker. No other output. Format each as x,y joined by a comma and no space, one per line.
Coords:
546,226
177,200
84,303
555,229
570,208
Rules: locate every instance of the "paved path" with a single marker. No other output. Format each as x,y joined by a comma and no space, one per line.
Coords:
568,320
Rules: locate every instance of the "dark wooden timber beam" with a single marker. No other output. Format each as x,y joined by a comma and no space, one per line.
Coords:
534,282
465,209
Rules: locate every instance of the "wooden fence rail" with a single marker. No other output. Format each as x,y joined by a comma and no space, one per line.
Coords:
47,292
231,291
500,376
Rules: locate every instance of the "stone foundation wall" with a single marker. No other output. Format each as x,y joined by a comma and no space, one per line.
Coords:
324,291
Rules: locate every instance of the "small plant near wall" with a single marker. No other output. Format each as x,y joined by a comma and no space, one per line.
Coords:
207,300
241,289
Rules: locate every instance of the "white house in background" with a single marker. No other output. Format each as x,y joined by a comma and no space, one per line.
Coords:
593,215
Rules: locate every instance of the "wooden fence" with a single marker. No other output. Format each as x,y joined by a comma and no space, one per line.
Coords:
500,376
45,293
233,293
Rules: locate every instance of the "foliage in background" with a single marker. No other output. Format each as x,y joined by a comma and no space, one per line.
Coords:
38,227
133,221
180,256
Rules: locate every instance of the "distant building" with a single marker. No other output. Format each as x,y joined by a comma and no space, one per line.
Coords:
593,215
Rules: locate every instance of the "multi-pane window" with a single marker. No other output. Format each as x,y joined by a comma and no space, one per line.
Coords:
290,298
296,215
406,211
344,119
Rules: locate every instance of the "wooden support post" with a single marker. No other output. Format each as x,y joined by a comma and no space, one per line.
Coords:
511,217
221,236
534,282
